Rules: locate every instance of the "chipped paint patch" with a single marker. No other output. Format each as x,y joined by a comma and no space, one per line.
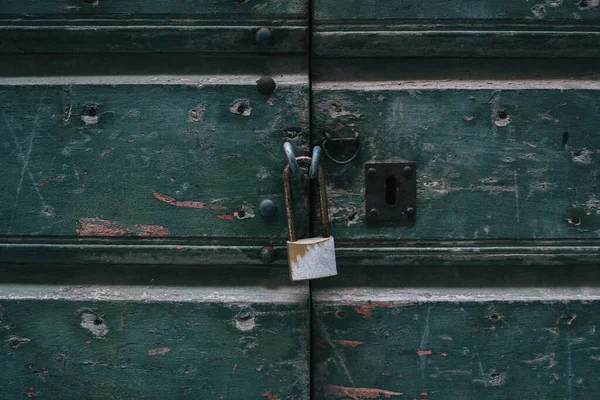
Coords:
196,114
159,352
227,217
423,352
15,342
245,212
241,107
539,11
585,5
582,156
366,309
103,227
93,323
186,204
245,321
349,343
359,393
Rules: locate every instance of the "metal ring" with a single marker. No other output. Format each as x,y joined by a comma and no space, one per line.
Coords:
314,164
289,152
342,162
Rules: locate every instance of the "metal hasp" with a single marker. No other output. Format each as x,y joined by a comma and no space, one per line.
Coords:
391,191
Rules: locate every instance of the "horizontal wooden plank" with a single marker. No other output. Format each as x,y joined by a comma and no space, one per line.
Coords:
135,335
81,251
147,156
448,41
98,9
120,37
496,159
456,333
458,28
549,11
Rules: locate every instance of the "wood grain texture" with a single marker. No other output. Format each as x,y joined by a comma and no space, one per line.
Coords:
456,333
487,28
151,334
147,156
117,37
167,9
496,158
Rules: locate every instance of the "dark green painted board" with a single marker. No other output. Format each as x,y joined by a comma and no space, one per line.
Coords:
100,333
495,159
455,41
160,156
451,333
198,37
486,10
167,9
458,28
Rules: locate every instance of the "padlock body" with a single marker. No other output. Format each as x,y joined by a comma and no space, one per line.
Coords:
312,258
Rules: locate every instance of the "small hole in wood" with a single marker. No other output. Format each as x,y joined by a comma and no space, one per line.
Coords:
241,214
495,318
97,322
575,220
340,314
242,108
502,114
583,4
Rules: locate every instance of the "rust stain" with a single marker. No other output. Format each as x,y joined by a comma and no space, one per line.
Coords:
366,309
186,204
228,217
159,351
103,227
423,352
359,393
444,354
351,343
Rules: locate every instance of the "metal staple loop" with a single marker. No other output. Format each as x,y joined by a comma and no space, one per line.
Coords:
323,207
354,140
292,162
314,164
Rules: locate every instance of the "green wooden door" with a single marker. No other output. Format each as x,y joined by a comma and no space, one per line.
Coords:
135,149
492,291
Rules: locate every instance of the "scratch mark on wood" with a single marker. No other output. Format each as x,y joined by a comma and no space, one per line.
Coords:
366,309
186,204
350,343
161,351
359,393
103,227
338,358
227,217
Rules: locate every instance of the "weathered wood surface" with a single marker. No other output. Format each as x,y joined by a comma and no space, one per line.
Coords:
142,36
91,26
146,156
487,28
167,9
456,333
130,333
497,158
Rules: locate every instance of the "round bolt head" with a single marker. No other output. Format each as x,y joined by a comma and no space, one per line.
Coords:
264,35
371,173
267,208
408,171
373,212
410,211
266,85
267,255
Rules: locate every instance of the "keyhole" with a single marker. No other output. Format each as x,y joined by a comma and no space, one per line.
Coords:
390,190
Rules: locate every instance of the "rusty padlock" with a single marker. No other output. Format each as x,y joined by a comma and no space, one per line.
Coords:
314,257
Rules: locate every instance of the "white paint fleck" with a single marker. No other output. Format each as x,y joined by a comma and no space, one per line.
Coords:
92,322
582,156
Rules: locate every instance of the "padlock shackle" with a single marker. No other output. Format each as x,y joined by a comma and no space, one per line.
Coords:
289,206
